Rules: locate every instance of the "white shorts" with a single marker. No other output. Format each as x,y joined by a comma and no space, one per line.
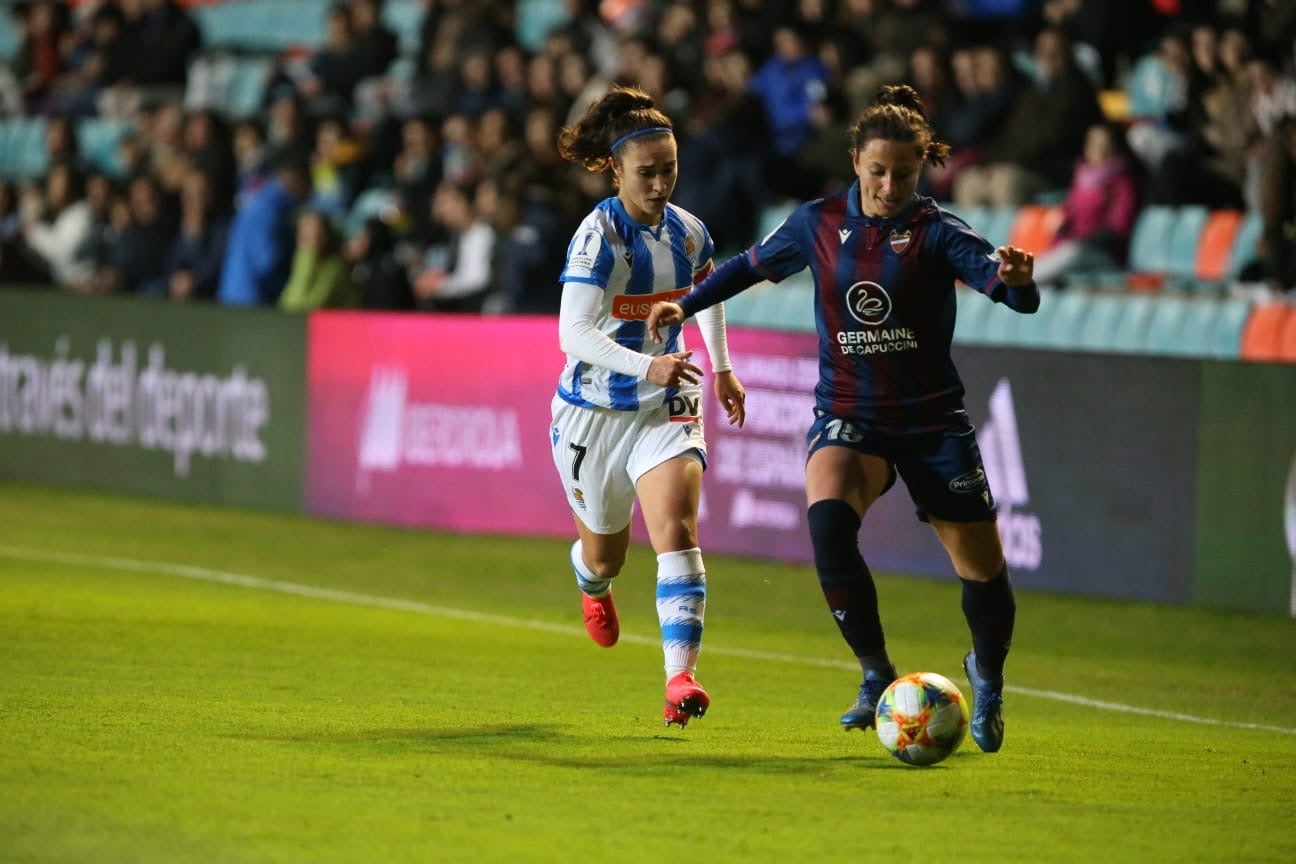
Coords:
600,455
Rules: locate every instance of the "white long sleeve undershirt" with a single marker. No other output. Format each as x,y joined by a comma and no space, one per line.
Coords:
579,337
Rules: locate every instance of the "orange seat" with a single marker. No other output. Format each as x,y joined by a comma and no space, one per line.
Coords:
1263,334
1287,342
1216,244
1034,227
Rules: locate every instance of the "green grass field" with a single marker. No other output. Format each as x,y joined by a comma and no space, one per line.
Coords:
181,684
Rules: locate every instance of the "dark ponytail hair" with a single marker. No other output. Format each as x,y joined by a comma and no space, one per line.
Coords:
621,112
897,114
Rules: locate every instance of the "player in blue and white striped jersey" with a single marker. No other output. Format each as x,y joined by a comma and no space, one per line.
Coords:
627,417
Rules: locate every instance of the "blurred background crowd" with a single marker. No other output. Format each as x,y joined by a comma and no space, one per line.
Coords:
394,154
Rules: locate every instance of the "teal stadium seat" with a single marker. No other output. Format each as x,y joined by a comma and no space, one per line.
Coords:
1033,331
1131,331
247,86
1244,245
998,225
1167,328
99,138
1185,238
771,217
741,309
1002,325
1068,319
1150,243
970,320
405,18
793,308
1098,331
1230,320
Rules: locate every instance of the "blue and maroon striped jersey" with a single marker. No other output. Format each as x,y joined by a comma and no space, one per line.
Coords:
884,304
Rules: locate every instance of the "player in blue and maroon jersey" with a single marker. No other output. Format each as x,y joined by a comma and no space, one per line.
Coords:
889,399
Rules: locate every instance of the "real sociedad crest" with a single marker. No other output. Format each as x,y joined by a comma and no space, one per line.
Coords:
900,240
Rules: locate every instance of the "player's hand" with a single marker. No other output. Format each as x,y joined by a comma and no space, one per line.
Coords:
671,370
1016,266
662,314
732,397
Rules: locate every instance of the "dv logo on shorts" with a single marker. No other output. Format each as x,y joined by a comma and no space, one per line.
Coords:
868,303
684,409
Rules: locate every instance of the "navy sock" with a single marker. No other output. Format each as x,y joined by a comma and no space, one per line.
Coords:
846,581
990,611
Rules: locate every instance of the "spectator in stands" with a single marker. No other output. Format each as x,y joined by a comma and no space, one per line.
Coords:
194,262
464,281
16,260
259,255
205,145
336,168
139,254
56,226
789,83
320,278
985,88
1100,209
1277,251
375,45
100,59
62,144
40,60
379,279
328,78
1035,148
164,40
250,159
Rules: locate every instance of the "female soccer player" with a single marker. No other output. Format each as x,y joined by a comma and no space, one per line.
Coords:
889,399
627,418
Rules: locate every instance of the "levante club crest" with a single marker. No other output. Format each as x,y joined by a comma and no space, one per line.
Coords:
900,240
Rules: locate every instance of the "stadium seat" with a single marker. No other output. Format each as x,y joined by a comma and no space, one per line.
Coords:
1167,330
1185,240
1216,245
1098,331
1033,330
1262,336
1002,325
998,225
1131,331
1230,320
969,322
405,18
740,310
1287,340
1245,244
793,307
771,217
1150,243
1068,319
99,138
1034,227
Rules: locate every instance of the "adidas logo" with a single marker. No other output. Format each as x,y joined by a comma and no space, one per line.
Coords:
1001,452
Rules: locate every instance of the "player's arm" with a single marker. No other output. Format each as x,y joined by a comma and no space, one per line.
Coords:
579,337
729,391
1006,275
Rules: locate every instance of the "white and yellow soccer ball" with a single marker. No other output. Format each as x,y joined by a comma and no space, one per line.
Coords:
922,718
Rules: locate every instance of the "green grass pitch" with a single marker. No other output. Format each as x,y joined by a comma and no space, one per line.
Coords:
184,684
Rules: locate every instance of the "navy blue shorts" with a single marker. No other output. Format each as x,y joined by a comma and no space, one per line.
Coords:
942,469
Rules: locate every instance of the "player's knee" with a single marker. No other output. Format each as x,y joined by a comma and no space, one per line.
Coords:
604,564
834,533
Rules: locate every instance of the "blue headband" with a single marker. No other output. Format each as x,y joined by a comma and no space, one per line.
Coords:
651,130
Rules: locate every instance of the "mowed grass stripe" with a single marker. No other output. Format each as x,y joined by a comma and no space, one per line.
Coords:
243,580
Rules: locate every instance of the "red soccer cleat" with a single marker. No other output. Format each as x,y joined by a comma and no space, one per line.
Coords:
685,699
601,619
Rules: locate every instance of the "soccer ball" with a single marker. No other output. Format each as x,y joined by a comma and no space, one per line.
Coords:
921,718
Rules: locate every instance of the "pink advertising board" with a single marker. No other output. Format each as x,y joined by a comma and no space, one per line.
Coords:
443,422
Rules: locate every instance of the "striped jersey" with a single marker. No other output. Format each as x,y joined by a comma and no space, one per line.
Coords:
884,304
636,266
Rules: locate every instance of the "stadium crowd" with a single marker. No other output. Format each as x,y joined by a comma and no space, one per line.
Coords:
378,177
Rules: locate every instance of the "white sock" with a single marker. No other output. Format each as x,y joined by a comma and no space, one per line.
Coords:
681,606
585,580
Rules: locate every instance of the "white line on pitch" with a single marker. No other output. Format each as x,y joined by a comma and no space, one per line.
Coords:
242,580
